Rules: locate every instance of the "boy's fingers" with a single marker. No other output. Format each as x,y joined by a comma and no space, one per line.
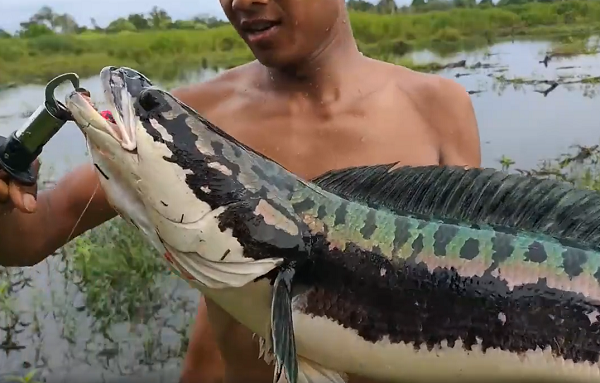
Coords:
22,196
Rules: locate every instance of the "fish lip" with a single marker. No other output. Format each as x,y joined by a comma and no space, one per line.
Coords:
121,87
88,117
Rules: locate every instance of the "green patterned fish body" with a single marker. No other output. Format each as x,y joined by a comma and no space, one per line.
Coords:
415,274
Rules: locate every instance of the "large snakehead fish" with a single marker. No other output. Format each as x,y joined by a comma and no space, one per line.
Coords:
408,274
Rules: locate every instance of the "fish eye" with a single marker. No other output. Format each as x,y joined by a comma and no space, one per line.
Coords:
148,100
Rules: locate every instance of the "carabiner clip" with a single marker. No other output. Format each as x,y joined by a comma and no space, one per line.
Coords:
55,107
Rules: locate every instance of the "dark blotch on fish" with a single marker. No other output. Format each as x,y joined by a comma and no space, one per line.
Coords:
470,249
573,260
322,212
340,214
417,247
442,238
268,179
502,247
536,253
401,235
304,205
370,225
237,151
217,147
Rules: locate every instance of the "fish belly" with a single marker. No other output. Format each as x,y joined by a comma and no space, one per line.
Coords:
327,343
342,349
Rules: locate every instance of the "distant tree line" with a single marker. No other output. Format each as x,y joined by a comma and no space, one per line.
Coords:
46,21
390,6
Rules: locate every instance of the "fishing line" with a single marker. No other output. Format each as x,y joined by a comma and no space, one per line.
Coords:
83,212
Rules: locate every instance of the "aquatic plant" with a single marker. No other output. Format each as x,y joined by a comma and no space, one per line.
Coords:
117,271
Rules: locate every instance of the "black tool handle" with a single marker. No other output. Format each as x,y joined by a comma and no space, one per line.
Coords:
17,161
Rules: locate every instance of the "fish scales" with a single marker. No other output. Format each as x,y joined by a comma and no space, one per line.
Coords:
463,245
440,240
522,245
413,274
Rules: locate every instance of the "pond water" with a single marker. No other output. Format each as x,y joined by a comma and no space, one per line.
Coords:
54,330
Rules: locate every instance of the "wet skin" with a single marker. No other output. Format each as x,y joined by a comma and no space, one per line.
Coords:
312,103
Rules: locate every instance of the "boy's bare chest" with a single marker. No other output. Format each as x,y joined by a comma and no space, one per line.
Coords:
310,145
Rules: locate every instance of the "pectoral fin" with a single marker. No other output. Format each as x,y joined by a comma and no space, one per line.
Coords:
282,327
283,344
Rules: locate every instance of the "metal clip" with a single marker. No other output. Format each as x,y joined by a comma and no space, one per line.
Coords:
54,106
20,150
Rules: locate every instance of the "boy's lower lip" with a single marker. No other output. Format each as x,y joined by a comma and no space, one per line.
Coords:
257,37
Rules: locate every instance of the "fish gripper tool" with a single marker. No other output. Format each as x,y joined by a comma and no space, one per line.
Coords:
19,151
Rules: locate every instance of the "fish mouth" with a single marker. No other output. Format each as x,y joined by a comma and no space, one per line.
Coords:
121,87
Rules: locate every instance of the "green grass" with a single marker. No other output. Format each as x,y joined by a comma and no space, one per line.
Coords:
118,271
167,54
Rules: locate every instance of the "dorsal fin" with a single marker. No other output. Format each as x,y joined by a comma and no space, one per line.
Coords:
474,197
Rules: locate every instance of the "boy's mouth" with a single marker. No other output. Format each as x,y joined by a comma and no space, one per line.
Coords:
259,29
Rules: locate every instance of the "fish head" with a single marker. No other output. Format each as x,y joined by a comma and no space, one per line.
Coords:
112,145
163,168
112,142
